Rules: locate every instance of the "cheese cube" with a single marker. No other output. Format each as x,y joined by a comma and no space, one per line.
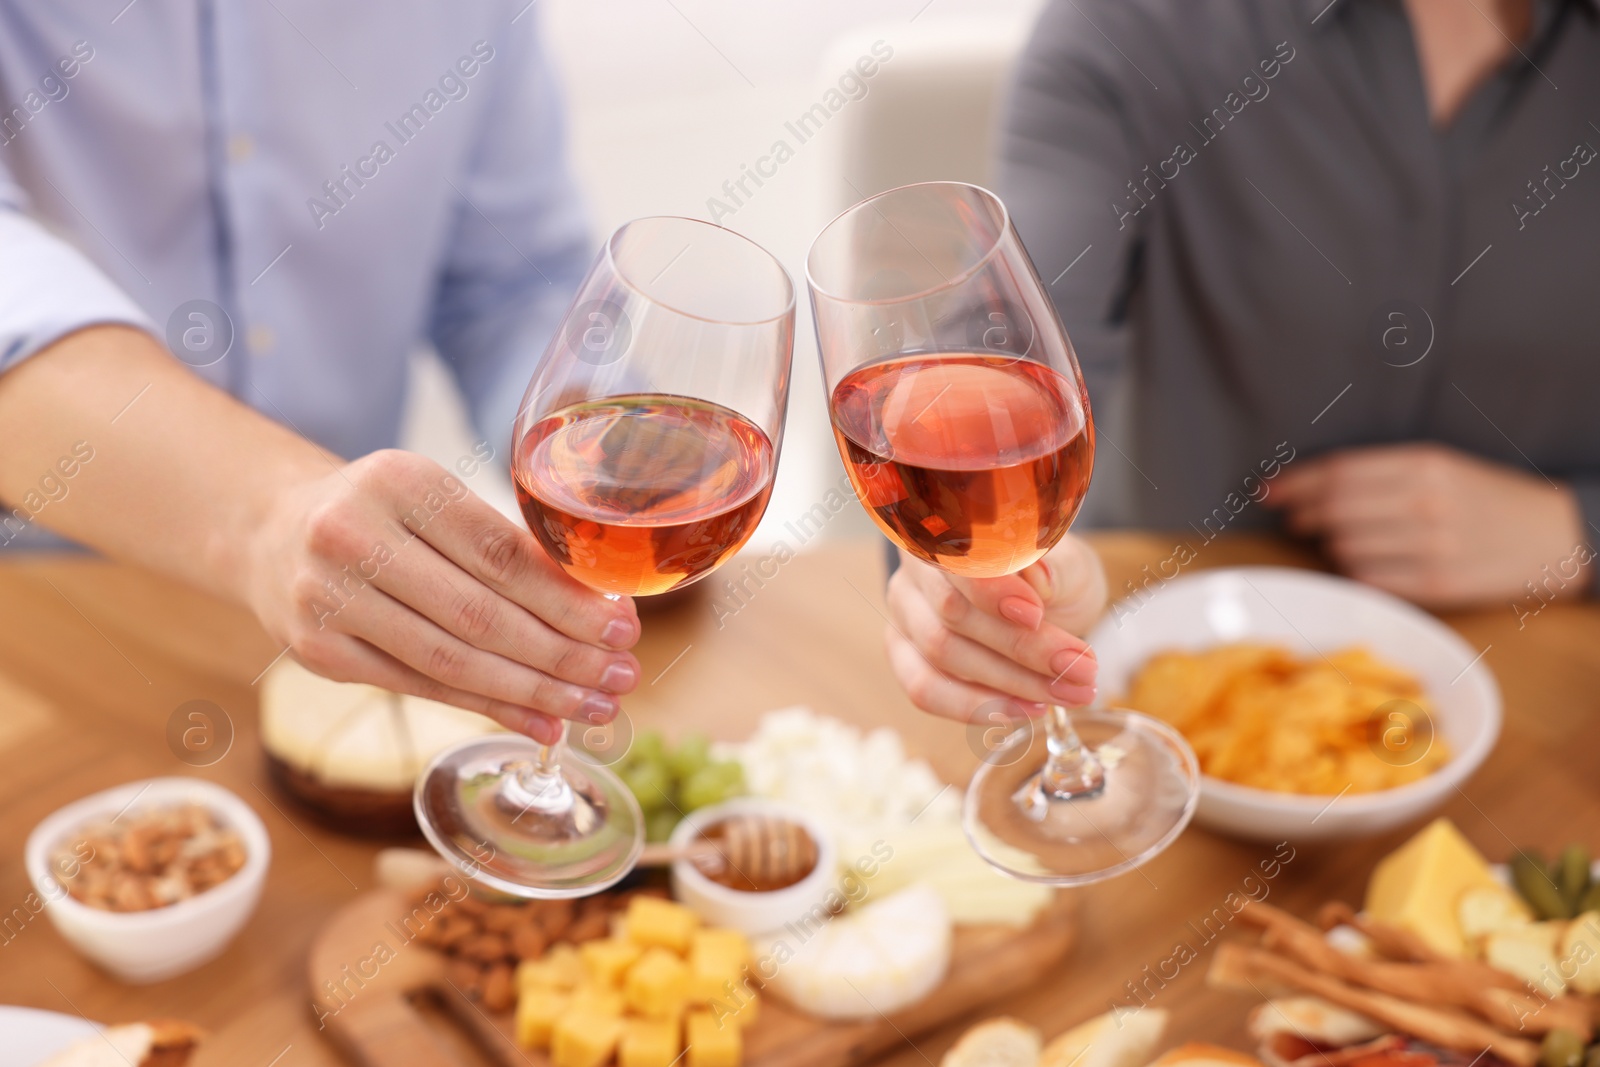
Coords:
538,1008
559,968
658,985
606,961
582,1039
716,957
649,1043
653,921
741,1007
1580,952
711,1045
1529,952
591,998
1419,886
1484,911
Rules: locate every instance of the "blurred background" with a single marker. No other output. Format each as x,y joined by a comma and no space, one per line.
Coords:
669,99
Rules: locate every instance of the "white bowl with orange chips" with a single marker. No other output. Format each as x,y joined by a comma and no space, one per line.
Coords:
1346,710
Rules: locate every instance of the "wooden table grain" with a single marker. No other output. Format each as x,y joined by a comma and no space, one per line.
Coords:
95,658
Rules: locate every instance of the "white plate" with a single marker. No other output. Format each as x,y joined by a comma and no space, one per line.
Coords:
31,1035
1310,613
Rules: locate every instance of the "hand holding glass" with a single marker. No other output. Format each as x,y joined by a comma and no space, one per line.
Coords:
962,418
643,457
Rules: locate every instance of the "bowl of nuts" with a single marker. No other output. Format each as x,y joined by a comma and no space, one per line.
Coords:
152,878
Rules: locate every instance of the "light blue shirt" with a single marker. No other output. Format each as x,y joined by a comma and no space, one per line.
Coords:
346,181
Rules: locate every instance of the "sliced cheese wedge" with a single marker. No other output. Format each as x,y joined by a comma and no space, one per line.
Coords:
349,735
874,960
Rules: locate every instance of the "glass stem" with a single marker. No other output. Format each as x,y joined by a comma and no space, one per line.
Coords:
537,784
1070,770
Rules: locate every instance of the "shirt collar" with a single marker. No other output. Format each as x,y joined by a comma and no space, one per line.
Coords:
1322,12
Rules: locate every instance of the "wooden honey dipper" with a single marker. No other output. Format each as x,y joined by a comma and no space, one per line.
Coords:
763,850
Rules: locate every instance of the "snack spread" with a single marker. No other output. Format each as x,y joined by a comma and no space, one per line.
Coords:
1263,717
483,942
659,987
149,858
1447,966
895,823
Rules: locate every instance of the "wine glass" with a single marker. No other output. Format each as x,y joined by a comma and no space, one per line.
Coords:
643,456
964,424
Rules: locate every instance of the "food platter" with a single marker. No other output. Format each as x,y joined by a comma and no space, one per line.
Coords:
382,1023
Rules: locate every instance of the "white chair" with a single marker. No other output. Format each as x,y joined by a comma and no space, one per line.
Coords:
932,113
931,109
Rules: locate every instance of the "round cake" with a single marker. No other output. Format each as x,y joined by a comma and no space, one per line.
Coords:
350,753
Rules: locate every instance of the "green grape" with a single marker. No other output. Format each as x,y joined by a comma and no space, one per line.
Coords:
647,747
692,753
658,825
712,784
650,785
1561,1048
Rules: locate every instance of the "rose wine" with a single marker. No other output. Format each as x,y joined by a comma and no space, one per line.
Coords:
971,462
642,494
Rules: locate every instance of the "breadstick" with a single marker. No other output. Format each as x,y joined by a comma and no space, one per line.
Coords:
1455,983
1237,965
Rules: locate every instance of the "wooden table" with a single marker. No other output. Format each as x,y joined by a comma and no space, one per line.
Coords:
94,658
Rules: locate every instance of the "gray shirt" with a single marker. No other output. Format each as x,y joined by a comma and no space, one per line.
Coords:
1263,251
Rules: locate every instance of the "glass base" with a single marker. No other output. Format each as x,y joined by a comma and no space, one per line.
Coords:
491,809
1150,786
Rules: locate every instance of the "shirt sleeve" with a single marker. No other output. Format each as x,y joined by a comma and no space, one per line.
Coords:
1587,489
521,241
1066,159
48,288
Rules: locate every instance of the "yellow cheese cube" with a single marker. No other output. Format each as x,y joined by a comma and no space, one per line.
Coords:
1419,886
606,961
649,1043
538,1008
653,921
658,985
582,1039
716,957
740,1006
559,968
592,998
711,1045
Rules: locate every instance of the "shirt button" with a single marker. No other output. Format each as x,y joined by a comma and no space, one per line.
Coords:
240,147
260,340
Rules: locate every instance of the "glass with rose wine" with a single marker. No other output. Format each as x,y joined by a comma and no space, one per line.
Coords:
962,418
643,456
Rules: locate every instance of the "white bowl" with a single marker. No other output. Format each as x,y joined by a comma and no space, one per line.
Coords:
754,913
149,946
1310,613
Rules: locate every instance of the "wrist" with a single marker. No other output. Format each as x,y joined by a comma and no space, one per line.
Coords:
243,550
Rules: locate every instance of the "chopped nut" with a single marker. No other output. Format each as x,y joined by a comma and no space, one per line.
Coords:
149,858
485,948
528,942
499,990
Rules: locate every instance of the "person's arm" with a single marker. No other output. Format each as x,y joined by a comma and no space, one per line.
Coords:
1445,528
970,649
1065,164
520,243
385,570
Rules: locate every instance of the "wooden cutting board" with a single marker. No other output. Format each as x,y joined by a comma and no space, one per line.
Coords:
386,1001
